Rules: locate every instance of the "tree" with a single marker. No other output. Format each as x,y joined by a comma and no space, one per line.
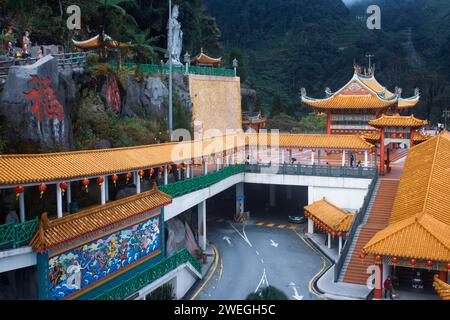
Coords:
268,293
277,106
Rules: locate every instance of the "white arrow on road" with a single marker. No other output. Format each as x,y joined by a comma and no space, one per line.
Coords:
227,239
273,243
296,296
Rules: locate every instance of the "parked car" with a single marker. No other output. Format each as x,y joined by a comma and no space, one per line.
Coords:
297,219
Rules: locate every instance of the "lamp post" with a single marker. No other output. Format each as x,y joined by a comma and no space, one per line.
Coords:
187,61
445,115
169,47
235,65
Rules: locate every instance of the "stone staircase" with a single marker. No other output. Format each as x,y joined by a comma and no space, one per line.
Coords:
377,218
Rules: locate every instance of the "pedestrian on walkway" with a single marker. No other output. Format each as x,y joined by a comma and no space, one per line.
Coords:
388,287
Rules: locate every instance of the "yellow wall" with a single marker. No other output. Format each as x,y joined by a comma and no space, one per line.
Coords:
216,104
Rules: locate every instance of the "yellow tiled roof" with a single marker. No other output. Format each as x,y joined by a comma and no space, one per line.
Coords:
375,137
442,288
22,169
62,230
32,168
419,226
361,93
398,121
335,218
309,141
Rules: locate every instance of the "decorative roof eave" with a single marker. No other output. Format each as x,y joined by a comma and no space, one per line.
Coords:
405,103
442,288
335,218
94,42
410,238
57,232
398,121
203,58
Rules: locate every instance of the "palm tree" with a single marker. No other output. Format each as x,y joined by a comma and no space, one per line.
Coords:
144,46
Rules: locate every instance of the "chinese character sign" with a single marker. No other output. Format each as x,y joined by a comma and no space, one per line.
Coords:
42,96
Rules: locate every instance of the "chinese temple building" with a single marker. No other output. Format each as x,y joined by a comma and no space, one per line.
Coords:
395,132
361,100
416,243
203,60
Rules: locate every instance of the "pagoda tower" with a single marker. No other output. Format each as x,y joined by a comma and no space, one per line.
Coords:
361,100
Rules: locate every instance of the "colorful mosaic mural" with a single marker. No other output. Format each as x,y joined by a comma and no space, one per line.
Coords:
82,267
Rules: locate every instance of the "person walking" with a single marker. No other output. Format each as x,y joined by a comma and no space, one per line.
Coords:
388,287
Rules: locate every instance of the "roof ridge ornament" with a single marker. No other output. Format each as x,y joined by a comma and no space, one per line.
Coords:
398,91
303,92
416,91
328,92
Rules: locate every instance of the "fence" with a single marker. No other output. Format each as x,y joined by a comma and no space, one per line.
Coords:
14,235
305,170
164,69
187,186
140,280
359,218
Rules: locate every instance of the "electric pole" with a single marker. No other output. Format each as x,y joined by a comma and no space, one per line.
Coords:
446,115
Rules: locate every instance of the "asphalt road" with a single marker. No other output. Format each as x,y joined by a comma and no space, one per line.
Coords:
254,256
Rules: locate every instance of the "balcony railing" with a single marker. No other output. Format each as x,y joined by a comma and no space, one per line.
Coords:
305,170
164,69
359,218
187,186
140,280
14,235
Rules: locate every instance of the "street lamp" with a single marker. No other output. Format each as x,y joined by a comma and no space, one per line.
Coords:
187,61
235,65
169,47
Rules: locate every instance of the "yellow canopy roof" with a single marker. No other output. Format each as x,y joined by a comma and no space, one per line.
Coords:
335,218
60,231
95,43
398,121
420,221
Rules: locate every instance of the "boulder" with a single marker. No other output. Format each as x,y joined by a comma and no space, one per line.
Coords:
132,97
153,95
35,103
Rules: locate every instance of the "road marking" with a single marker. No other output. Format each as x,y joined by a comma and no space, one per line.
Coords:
240,234
324,265
216,262
270,225
221,270
273,243
263,281
296,296
281,226
227,239
260,224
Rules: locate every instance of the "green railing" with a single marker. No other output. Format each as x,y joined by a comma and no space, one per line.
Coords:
140,280
164,69
187,186
17,234
305,170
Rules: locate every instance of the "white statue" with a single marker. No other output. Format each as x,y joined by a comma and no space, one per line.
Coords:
174,27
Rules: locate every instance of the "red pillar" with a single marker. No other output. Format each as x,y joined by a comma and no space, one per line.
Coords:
382,151
412,138
328,122
443,276
378,292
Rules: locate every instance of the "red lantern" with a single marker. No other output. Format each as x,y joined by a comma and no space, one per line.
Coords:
288,149
169,168
429,264
340,234
42,189
413,262
19,190
161,169
300,149
128,177
63,187
100,181
85,184
448,266
114,179
341,151
141,174
152,172
362,255
394,260
378,259
313,150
